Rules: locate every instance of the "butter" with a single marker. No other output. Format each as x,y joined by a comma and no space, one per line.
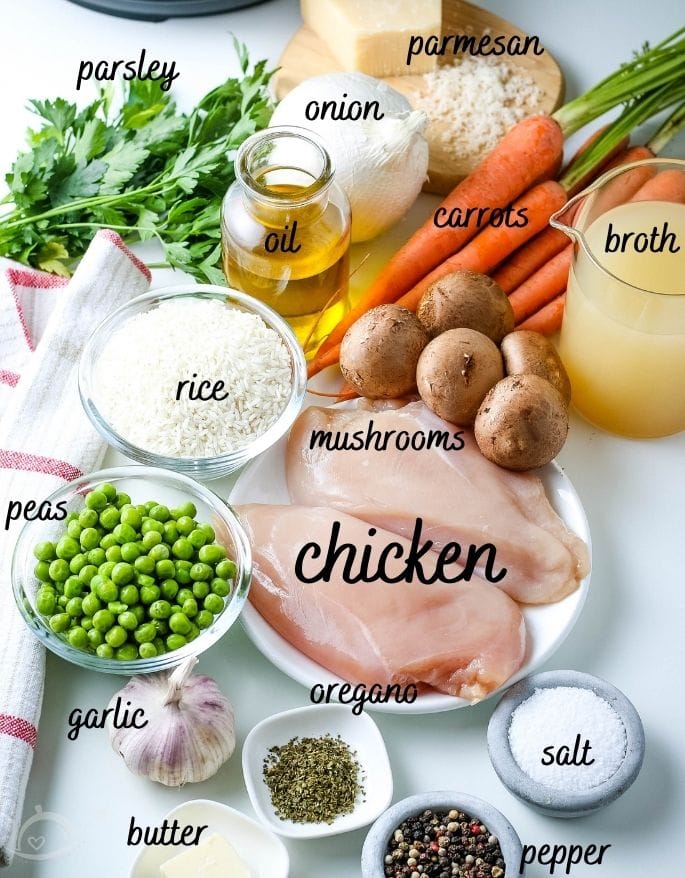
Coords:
212,858
373,37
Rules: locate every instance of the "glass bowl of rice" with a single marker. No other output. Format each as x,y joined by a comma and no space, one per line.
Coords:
197,379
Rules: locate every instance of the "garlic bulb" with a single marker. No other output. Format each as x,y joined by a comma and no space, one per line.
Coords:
380,164
188,730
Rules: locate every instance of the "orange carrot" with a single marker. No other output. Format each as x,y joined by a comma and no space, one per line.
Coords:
548,319
543,286
599,168
493,245
531,151
665,186
529,258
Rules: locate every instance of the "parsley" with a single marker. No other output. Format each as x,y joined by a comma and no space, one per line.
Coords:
146,170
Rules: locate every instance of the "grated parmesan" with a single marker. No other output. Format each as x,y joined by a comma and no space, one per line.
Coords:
139,370
472,103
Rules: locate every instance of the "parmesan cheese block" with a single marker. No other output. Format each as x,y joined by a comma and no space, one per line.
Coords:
212,858
373,37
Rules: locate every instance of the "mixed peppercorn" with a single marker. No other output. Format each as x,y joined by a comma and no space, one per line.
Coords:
443,844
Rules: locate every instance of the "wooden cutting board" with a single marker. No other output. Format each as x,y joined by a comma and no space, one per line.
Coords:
306,55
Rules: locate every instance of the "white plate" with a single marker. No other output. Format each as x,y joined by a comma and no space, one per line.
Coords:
262,852
264,481
361,734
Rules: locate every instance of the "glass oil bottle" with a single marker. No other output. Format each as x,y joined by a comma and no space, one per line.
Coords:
286,230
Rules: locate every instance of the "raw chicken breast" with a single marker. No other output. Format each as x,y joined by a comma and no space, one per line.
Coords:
466,638
460,495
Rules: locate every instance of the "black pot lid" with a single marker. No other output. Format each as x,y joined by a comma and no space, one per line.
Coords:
158,10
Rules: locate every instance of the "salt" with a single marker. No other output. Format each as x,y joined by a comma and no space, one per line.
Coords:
555,717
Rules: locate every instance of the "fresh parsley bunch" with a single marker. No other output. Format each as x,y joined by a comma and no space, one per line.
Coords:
146,171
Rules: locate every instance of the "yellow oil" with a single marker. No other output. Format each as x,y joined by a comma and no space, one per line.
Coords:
290,253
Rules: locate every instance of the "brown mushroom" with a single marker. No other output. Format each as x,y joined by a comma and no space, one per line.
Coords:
529,353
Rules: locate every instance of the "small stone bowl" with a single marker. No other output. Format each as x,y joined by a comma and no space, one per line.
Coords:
373,852
553,802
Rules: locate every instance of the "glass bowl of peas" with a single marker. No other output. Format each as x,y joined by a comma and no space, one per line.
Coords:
137,569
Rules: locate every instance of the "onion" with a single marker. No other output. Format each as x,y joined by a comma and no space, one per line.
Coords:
380,164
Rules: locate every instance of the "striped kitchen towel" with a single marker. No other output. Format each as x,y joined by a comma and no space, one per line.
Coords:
45,439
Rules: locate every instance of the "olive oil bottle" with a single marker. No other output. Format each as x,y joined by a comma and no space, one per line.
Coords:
286,230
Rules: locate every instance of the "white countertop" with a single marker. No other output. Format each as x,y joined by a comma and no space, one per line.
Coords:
630,631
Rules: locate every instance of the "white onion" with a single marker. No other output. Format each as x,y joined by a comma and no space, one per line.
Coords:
380,164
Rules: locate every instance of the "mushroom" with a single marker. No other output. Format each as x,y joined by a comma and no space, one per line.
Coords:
522,423
529,353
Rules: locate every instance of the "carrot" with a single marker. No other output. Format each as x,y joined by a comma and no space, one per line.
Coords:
531,151
590,175
548,319
541,287
529,258
323,361
665,186
493,245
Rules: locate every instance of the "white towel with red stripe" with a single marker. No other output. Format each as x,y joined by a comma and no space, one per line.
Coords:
45,438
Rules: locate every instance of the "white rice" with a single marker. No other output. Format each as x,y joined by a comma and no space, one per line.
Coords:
141,365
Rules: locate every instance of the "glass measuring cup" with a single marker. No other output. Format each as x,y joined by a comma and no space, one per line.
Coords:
623,332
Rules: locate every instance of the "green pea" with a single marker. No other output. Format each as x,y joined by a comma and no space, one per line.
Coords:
44,551
129,552
175,641
183,549
78,562
179,623
197,538
190,608
86,623
170,532
60,622
124,533
184,594
204,619
142,509
131,516
72,516
226,569
86,574
109,517
147,650
144,564
116,636
212,554
162,627
42,571
165,569
122,500
143,580
75,607
88,518
103,620
89,539
214,604
193,633
66,548
105,651
96,500
59,570
221,587
107,591
175,608
129,595
107,569
139,612
78,638
107,541
145,633
97,556
73,587
149,594
149,524
201,572
128,620
123,573
109,491
95,637
113,554
200,590
150,505
62,601
159,645
159,553
160,609
188,508
208,531
185,524
46,601
151,539
126,653
74,530
117,607
91,604
169,589
160,513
